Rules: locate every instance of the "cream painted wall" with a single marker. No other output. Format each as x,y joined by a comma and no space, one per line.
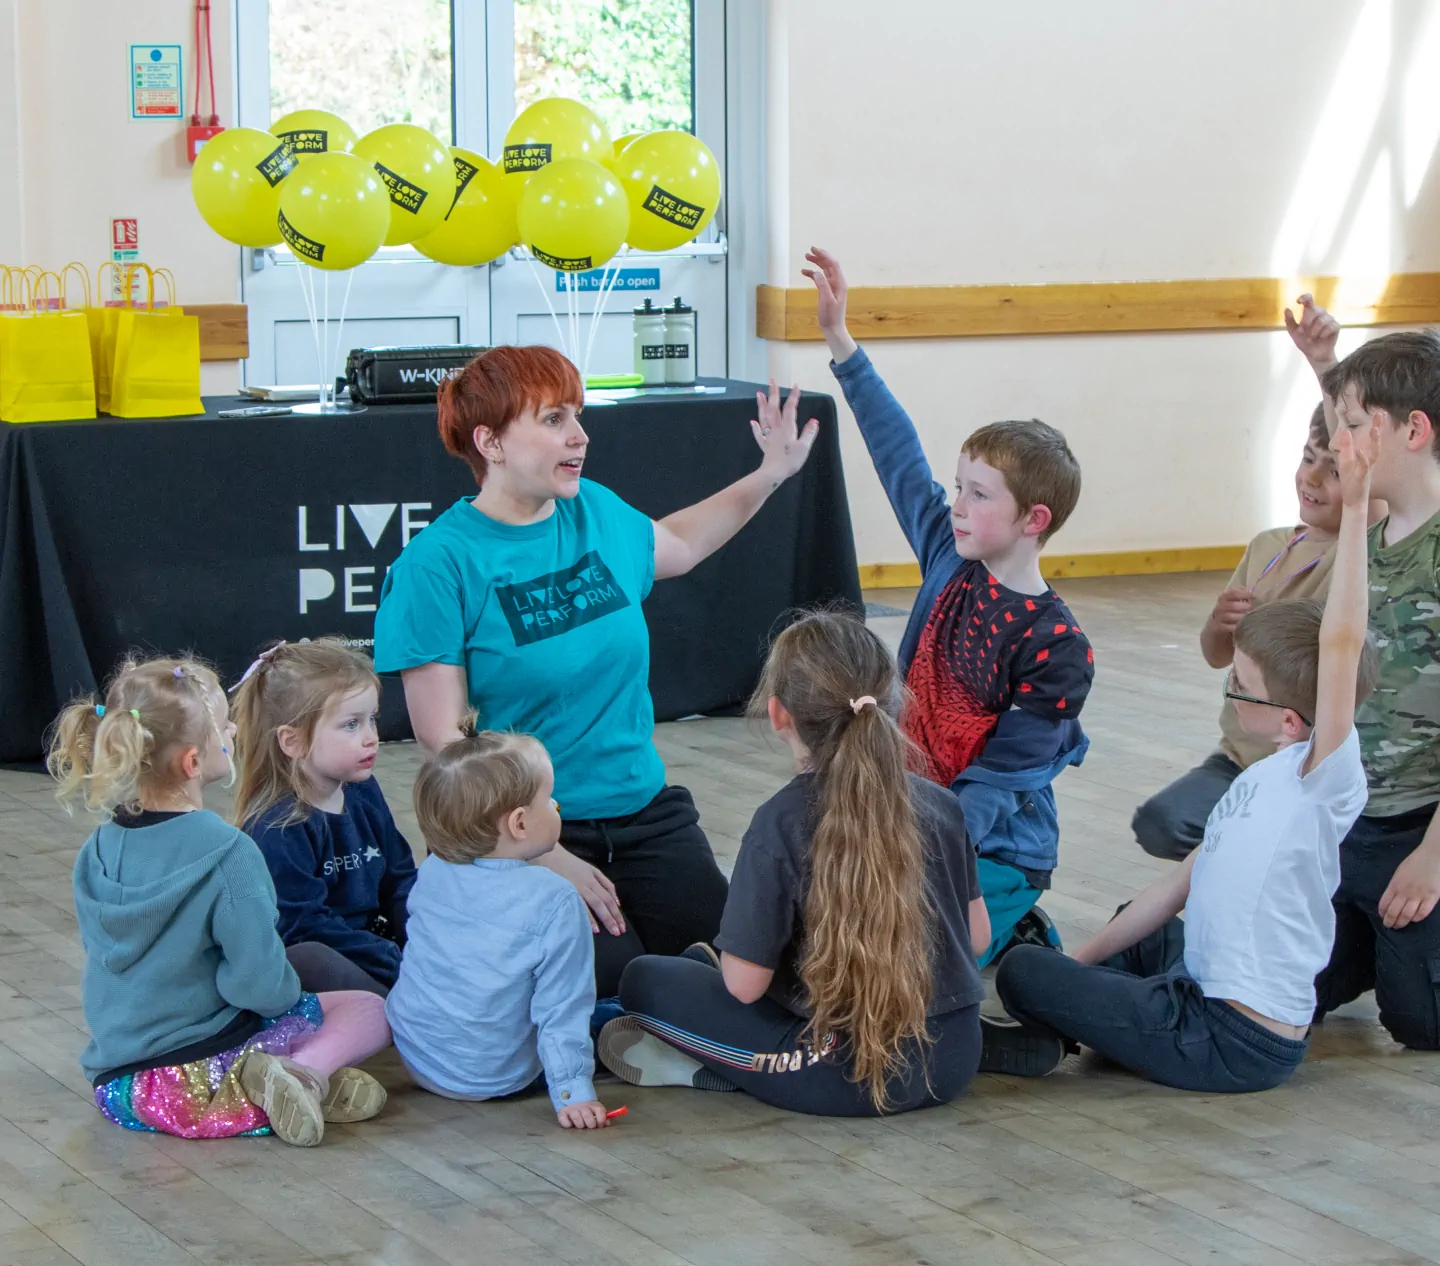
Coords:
81,160
948,143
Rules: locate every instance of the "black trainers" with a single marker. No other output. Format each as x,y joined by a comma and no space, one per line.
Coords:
703,952
1035,927
1008,1046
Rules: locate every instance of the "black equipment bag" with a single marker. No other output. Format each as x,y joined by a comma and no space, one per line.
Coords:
403,375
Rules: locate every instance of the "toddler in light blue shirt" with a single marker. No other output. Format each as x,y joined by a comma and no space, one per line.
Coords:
497,981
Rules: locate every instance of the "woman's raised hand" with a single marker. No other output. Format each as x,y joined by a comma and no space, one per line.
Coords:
784,445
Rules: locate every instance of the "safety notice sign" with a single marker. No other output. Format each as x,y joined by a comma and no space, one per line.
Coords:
156,91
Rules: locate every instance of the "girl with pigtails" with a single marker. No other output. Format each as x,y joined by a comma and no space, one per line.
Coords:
198,1024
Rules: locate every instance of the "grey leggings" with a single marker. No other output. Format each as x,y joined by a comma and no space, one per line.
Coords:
325,970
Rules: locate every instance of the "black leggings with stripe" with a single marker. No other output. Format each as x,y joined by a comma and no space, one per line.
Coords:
757,1046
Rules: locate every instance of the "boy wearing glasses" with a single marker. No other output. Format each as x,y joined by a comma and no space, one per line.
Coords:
1222,1002
1281,564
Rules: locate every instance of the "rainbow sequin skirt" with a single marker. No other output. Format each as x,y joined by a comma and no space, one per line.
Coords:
203,1099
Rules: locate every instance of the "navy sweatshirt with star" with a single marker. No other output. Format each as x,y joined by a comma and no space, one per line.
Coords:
337,874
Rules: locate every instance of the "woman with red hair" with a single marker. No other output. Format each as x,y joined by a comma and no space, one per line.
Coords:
523,604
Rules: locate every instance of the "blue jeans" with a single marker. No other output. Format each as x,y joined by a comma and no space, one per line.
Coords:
1144,1011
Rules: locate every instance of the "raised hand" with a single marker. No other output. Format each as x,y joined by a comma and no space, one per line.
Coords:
784,445
1314,333
832,295
830,284
1356,452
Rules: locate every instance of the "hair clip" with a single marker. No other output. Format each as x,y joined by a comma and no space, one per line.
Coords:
857,704
260,660
99,709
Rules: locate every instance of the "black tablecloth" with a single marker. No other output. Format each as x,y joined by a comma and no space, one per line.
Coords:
204,534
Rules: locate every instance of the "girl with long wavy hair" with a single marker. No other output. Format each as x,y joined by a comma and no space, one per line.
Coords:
845,983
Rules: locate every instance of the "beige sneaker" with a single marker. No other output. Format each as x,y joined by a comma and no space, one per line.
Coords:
289,1094
354,1096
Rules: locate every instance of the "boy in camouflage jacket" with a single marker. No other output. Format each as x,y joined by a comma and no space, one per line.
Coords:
1387,936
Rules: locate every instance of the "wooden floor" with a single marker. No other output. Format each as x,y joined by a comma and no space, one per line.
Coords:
1090,1167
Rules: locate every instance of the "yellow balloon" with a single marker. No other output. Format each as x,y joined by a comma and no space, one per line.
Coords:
236,184
418,172
550,130
673,184
613,162
573,215
312,132
335,212
480,224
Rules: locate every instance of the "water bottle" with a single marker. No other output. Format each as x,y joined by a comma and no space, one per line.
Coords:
679,345
650,359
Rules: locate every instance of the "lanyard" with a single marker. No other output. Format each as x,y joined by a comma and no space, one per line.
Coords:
1294,575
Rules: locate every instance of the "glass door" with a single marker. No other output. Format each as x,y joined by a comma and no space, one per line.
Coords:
463,69
641,65
371,62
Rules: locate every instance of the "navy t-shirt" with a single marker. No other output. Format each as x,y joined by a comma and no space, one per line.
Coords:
335,873
764,919
545,618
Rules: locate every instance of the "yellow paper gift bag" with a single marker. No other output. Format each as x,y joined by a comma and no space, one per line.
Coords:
45,368
157,358
103,319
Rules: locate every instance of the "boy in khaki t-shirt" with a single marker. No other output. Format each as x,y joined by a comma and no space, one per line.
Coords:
1286,563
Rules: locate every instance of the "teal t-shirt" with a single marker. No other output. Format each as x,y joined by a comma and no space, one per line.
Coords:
545,619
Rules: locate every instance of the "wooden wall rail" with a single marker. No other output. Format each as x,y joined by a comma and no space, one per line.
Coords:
1244,303
224,330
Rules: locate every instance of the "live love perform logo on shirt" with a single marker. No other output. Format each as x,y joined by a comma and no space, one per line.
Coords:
551,605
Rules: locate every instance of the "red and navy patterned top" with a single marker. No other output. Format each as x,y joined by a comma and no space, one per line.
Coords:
984,650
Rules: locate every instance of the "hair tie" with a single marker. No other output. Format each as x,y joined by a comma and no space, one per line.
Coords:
135,712
179,672
99,709
260,661
857,704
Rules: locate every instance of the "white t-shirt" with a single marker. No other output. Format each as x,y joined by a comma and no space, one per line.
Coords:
1258,922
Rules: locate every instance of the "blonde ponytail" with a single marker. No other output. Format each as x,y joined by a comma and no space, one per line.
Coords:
103,757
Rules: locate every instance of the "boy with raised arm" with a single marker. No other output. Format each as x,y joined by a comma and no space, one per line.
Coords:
997,668
1222,1002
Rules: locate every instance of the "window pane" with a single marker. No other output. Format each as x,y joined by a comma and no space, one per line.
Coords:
628,60
371,62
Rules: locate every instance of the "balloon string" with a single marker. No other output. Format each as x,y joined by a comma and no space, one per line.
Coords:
545,294
340,333
574,350
607,287
326,384
307,289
